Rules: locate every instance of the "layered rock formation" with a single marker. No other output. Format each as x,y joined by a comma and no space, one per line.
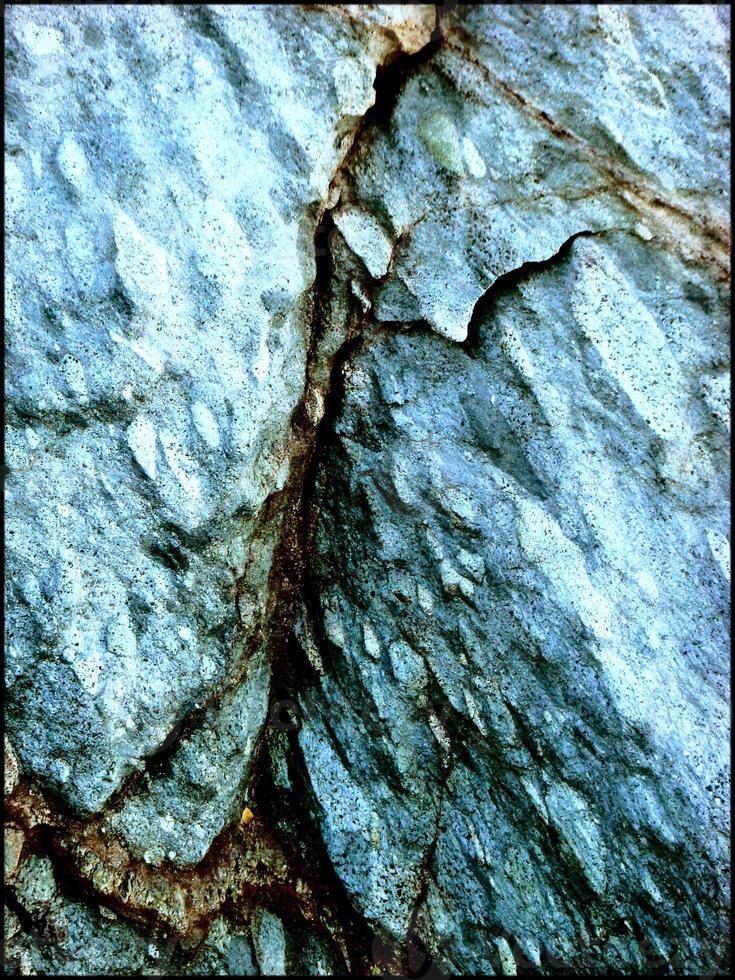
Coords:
367,425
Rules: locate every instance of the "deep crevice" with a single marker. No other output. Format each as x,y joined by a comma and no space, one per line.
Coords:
290,588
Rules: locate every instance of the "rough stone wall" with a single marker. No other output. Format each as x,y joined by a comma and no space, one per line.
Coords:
367,486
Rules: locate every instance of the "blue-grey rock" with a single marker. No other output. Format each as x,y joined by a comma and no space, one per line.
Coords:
68,938
283,948
520,564
368,489
226,952
160,216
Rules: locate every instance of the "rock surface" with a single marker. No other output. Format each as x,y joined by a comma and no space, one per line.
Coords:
516,577
367,429
160,216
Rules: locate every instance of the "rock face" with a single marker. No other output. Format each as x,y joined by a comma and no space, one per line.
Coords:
160,217
367,443
504,588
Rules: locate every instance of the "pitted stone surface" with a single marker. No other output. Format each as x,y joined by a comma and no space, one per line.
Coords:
367,425
516,575
160,214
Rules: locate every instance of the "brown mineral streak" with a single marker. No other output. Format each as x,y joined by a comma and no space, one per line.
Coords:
246,865
409,34
696,236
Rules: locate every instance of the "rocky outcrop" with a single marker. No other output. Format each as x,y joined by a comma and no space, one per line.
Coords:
368,490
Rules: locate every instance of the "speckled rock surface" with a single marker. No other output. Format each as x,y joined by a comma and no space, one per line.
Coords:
367,485
521,584
68,938
160,217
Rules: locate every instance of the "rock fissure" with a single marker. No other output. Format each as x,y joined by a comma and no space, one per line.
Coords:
510,281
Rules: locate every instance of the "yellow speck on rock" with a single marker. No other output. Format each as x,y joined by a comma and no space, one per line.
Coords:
247,816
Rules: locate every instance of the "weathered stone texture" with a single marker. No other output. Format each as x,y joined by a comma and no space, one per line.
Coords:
367,466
